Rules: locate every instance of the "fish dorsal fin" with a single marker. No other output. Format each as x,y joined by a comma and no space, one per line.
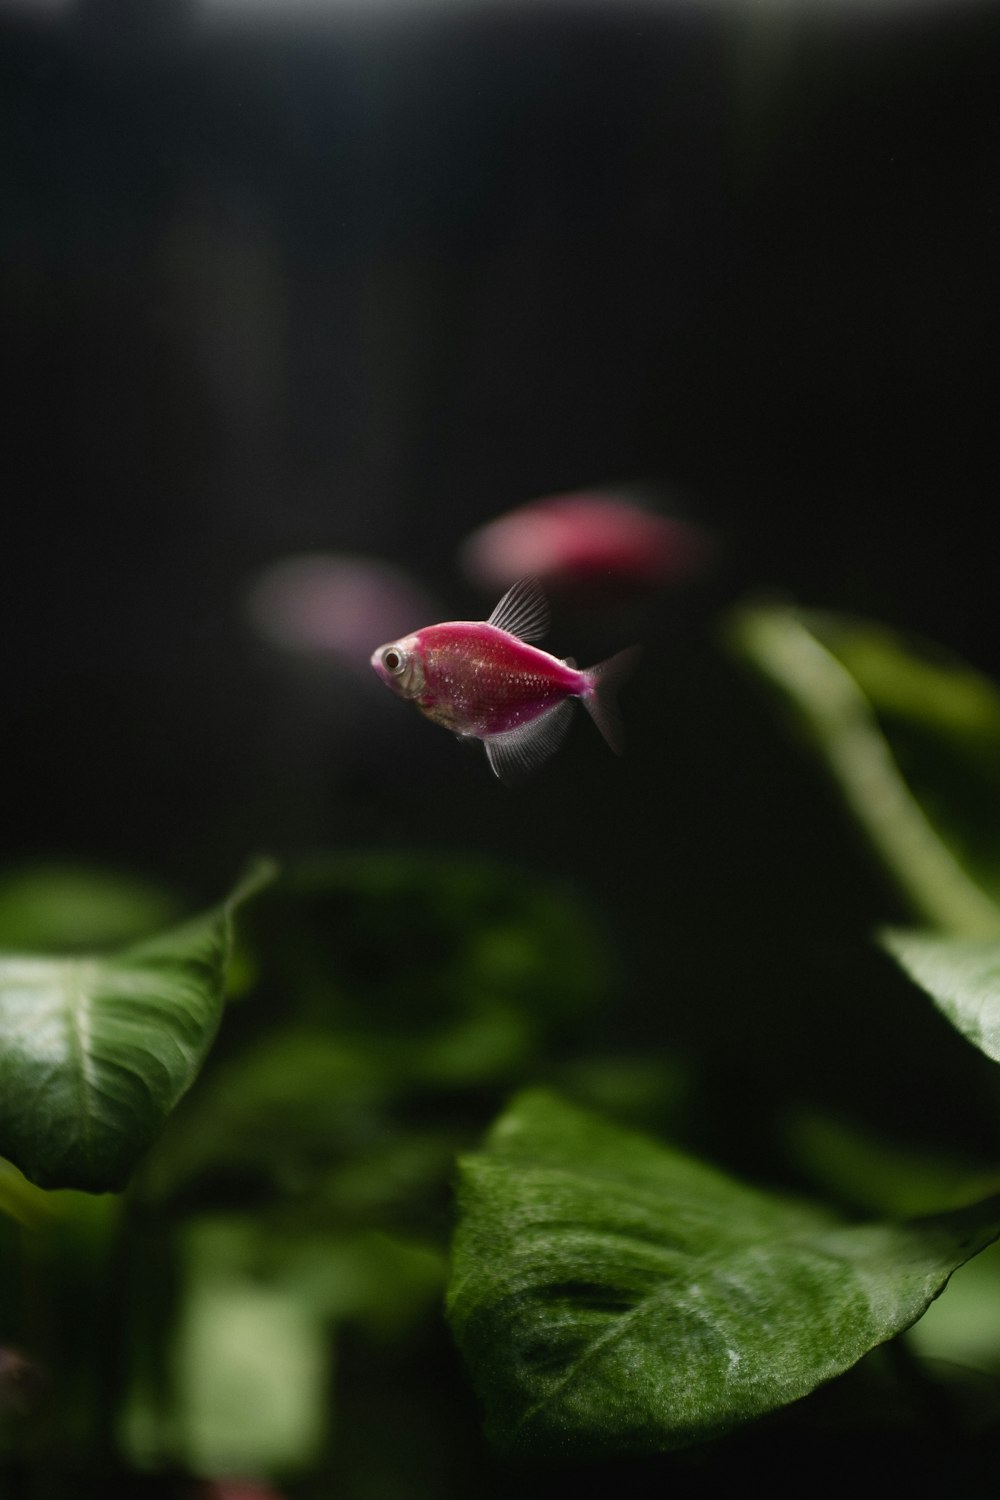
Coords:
523,611
517,752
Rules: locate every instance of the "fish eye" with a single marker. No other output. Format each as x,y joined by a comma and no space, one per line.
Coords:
393,660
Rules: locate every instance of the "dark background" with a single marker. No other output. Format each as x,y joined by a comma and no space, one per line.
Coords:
360,283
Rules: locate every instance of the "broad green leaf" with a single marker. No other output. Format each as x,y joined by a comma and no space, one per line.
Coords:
95,1051
610,1294
962,977
912,739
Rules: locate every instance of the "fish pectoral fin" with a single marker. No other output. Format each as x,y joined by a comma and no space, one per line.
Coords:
514,754
523,611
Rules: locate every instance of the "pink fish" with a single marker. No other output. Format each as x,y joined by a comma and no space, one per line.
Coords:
588,538
482,680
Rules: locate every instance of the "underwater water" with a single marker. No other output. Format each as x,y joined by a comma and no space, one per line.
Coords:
368,1126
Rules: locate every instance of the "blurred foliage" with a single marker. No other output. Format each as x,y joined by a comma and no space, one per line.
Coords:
866,1173
942,721
412,991
71,908
263,1298
912,739
297,1203
964,1327
454,971
248,1385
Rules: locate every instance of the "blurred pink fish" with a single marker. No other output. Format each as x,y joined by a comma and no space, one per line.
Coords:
481,680
22,1382
234,1489
332,603
583,538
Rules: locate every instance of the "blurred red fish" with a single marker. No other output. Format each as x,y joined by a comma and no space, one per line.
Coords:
482,680
580,539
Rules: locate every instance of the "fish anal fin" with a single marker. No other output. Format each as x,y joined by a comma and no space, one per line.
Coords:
516,753
523,611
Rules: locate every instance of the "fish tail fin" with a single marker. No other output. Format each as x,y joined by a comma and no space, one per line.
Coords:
600,698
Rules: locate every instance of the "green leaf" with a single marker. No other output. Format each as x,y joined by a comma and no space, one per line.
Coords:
96,1051
912,739
611,1294
962,977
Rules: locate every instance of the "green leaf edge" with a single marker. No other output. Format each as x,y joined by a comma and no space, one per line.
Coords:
214,928
921,953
